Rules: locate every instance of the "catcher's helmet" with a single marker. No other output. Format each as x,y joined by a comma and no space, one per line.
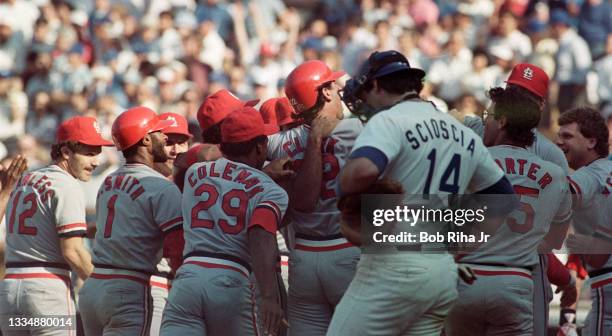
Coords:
303,83
132,125
377,65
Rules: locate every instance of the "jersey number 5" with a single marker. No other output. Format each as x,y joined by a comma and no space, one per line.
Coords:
25,214
525,208
238,211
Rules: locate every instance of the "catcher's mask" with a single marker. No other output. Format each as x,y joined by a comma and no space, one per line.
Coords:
377,65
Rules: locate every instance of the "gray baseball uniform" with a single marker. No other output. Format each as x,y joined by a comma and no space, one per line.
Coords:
501,300
323,262
592,185
46,206
428,152
135,206
542,292
221,201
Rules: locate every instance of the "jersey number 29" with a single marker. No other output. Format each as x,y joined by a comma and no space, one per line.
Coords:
238,211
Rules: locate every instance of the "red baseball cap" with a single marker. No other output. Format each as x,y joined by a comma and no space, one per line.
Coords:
243,125
530,77
179,124
268,113
81,129
284,112
217,106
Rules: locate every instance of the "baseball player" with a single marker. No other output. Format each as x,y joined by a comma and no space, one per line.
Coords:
583,137
177,142
406,293
501,300
45,226
323,262
138,211
533,82
232,211
213,111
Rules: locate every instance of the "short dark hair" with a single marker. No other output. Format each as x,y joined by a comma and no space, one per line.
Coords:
396,83
521,112
242,148
591,124
56,149
131,151
212,135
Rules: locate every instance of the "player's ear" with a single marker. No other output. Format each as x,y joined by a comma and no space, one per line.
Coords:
502,122
591,143
147,140
327,92
65,151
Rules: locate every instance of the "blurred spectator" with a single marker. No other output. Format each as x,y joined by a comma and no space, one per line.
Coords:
12,47
13,107
216,13
42,121
573,61
23,14
29,147
603,72
509,36
423,12
447,72
595,25
212,45
407,46
482,77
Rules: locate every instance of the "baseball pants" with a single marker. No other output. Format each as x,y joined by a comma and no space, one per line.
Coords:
116,302
210,296
499,302
32,292
397,294
159,294
319,274
599,319
542,295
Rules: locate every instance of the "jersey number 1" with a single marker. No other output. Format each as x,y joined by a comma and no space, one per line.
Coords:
110,216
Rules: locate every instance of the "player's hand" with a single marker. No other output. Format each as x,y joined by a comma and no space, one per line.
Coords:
322,127
466,273
9,176
569,293
279,169
272,316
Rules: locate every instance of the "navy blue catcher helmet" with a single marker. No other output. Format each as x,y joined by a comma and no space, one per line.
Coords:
377,65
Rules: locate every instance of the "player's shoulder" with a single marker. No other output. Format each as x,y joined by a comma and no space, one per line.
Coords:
58,177
347,129
146,176
549,151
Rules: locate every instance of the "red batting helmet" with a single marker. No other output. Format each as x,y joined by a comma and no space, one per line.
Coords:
132,125
303,83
